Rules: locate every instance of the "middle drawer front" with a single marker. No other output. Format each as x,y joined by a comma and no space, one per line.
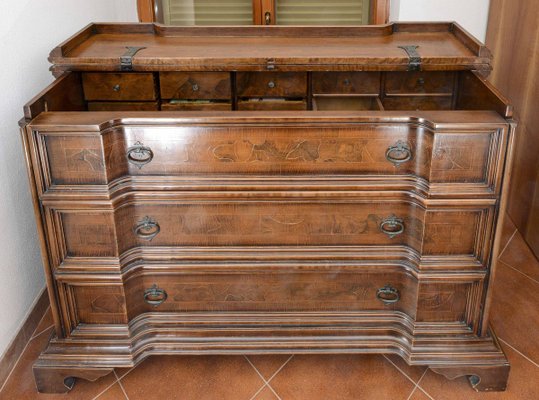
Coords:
462,160
438,231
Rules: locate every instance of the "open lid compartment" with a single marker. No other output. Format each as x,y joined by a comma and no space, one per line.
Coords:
153,47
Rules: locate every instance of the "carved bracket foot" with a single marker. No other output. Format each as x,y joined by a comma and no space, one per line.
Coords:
61,380
482,378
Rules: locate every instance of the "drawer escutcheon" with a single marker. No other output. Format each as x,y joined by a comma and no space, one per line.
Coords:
139,155
155,296
392,226
388,294
399,153
147,228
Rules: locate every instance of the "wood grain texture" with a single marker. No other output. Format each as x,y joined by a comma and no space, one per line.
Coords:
516,75
118,87
285,48
258,232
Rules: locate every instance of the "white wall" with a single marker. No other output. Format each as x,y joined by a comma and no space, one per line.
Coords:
29,29
471,14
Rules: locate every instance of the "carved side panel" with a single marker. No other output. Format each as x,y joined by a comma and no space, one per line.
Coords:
88,234
448,301
459,231
464,157
278,291
98,304
75,160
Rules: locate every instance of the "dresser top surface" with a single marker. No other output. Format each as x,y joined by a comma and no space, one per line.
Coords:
440,46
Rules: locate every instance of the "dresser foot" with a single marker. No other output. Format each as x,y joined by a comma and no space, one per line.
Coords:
482,378
61,380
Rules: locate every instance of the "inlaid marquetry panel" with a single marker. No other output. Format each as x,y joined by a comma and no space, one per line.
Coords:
462,157
449,301
88,234
75,160
92,304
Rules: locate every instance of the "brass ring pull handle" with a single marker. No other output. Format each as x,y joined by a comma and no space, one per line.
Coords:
147,229
139,155
392,226
195,87
388,294
116,88
267,18
155,296
399,153
271,84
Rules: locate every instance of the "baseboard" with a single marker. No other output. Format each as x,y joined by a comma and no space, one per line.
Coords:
18,344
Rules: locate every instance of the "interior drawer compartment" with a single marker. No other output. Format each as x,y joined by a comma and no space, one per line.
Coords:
366,83
346,103
419,82
200,105
271,104
271,84
195,85
417,103
123,106
108,86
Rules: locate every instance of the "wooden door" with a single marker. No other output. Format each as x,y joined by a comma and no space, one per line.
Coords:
513,37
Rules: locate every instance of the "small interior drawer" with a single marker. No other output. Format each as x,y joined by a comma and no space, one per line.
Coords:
417,103
271,84
367,83
195,85
419,82
123,106
175,105
347,103
271,104
108,86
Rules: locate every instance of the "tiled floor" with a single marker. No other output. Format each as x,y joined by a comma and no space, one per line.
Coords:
515,316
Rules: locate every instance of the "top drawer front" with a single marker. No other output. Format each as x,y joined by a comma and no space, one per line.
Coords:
272,84
119,87
454,161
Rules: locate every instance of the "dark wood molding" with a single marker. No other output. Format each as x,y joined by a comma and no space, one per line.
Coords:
513,22
146,10
18,344
379,12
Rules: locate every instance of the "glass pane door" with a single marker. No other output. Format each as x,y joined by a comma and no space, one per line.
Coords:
322,12
205,12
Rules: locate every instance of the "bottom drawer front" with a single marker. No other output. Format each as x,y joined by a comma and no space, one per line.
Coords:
291,291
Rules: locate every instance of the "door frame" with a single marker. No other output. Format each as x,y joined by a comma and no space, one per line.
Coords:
265,9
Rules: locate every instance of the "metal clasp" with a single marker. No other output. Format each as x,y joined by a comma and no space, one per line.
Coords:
126,60
414,62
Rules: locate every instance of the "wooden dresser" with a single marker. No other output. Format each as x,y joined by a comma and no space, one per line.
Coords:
256,190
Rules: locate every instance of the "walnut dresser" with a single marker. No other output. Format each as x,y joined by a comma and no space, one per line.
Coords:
257,190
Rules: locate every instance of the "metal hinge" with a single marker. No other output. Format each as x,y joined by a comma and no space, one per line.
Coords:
270,64
414,62
126,61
